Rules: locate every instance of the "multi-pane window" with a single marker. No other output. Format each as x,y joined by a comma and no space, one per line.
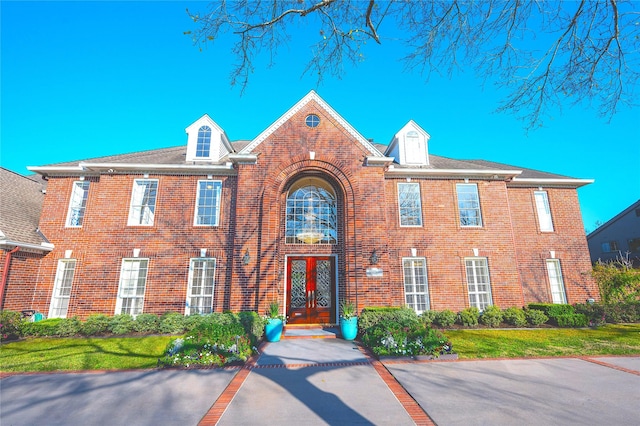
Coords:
416,287
478,283
610,247
78,203
208,202
311,216
62,288
133,281
469,204
409,204
555,281
203,145
201,284
544,212
143,202
634,245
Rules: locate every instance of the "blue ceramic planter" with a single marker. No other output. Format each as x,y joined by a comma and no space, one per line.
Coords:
273,330
349,328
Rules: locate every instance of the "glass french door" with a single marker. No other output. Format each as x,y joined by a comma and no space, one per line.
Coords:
310,290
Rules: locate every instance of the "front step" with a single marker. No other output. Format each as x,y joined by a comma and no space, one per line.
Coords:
310,331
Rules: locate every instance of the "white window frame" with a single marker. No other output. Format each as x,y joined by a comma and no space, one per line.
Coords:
414,269
466,205
556,282
203,141
476,269
142,211
62,286
132,283
410,211
545,221
199,216
197,303
77,204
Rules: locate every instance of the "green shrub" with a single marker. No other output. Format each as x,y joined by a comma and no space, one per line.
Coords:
146,323
95,325
172,323
536,317
121,324
253,325
373,315
445,318
491,316
572,320
44,328
622,312
427,317
469,316
391,338
514,316
594,312
10,325
214,341
68,327
191,321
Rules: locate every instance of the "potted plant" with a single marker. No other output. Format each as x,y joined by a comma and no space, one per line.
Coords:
348,321
274,326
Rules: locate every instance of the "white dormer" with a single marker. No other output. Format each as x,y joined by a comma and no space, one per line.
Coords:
410,145
206,141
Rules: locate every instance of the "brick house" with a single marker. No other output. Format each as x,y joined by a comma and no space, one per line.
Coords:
309,213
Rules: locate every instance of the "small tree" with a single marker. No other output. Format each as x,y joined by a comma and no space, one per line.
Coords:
617,280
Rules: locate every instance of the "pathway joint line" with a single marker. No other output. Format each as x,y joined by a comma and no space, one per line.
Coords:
411,406
217,410
608,365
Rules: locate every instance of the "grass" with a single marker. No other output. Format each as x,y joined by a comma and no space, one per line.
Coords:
52,354
617,339
115,353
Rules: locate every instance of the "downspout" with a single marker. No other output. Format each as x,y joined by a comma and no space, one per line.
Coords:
5,274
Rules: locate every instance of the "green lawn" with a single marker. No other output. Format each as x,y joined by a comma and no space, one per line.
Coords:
618,339
50,354
113,353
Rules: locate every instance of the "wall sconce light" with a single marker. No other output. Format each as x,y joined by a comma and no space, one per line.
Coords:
374,257
246,258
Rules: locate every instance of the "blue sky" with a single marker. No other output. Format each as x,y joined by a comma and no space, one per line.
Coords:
87,79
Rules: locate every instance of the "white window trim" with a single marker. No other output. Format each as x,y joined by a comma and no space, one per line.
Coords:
481,224
415,184
413,283
57,287
120,298
77,194
187,310
218,205
204,157
135,215
475,281
543,211
556,284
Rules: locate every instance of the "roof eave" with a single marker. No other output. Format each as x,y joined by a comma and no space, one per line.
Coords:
43,247
98,168
453,173
550,182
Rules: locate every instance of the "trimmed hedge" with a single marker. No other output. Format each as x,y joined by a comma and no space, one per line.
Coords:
373,315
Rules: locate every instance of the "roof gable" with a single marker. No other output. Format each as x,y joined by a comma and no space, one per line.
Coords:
311,96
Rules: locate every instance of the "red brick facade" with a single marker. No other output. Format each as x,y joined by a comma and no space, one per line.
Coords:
252,221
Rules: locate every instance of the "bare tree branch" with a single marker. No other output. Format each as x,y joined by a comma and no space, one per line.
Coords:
543,52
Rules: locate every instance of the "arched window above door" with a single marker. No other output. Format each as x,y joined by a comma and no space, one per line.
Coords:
311,216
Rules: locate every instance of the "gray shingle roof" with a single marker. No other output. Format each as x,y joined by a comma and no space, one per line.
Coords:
177,154
21,200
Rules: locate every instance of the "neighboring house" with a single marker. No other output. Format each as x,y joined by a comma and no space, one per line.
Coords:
22,246
617,237
309,213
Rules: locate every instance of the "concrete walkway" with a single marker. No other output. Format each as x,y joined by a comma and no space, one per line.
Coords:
331,381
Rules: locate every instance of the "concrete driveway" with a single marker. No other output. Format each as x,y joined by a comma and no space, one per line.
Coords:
331,381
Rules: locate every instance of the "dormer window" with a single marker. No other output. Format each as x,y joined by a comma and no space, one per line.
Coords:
203,146
410,145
